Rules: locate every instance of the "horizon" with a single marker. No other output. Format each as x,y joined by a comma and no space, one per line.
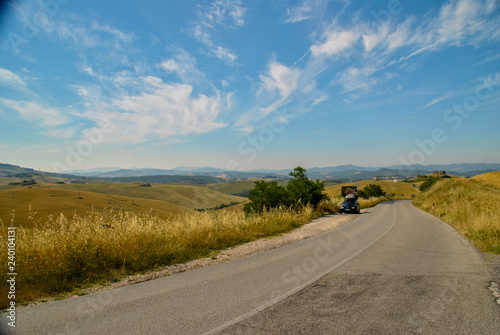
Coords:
243,86
112,169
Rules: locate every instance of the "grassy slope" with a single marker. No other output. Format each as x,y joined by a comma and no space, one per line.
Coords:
388,186
468,205
187,196
54,201
489,179
232,187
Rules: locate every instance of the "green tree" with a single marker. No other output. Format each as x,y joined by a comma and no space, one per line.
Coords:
266,195
300,191
304,191
371,190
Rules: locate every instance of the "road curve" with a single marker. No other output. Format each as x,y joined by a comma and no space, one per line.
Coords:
393,270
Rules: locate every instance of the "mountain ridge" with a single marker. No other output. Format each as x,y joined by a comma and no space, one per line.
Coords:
181,174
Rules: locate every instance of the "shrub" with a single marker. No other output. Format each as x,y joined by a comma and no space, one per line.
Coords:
267,195
371,191
426,185
305,191
300,192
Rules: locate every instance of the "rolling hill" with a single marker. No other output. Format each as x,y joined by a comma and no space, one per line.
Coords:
54,201
187,196
489,179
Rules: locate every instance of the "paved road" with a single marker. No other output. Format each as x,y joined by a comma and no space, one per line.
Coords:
393,270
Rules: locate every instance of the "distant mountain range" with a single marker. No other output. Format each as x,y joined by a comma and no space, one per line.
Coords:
344,172
204,175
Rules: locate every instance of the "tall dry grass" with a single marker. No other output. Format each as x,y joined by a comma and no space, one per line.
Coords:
467,206
66,253
63,253
489,179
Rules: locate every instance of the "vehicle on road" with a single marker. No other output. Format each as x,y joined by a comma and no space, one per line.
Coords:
350,206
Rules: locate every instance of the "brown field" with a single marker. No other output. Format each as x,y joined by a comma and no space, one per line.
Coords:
187,196
53,201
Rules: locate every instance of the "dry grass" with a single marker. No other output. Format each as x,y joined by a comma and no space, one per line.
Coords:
187,196
469,207
69,251
387,185
66,253
490,179
56,201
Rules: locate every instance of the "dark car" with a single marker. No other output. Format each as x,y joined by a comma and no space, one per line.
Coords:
350,206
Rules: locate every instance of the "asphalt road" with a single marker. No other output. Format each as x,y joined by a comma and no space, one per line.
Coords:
393,270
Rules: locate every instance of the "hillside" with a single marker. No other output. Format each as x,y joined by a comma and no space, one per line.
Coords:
469,205
53,201
489,179
187,196
389,187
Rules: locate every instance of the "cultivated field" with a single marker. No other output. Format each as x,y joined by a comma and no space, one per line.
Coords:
54,201
187,196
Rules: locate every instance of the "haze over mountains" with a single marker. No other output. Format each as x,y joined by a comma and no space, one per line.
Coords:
207,175
352,172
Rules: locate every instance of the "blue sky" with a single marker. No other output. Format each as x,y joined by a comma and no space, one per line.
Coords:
248,84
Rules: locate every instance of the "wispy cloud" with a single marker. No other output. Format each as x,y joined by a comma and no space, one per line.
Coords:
30,111
224,11
220,14
488,59
299,13
160,111
335,42
10,79
183,64
393,42
279,77
436,100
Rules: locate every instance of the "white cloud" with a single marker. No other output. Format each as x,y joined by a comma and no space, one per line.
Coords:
437,99
308,10
30,111
298,13
220,14
221,11
225,54
184,66
280,77
164,112
336,42
9,78
456,23
355,78
371,41
65,133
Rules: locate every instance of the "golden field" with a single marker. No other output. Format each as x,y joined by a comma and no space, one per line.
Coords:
54,201
66,253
